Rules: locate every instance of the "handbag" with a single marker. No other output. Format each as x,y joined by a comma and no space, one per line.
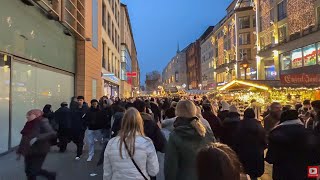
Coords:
135,164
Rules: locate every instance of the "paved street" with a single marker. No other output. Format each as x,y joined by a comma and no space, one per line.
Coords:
64,164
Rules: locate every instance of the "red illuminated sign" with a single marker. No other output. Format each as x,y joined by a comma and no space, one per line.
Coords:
300,79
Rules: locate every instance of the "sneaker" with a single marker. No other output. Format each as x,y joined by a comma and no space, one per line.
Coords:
89,158
77,158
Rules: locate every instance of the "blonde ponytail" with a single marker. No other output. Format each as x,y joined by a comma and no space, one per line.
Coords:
199,127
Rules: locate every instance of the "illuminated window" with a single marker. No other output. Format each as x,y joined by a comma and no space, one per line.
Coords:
296,57
282,34
285,60
244,22
282,10
310,55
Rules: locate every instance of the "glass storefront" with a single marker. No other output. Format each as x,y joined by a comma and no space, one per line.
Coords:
33,87
4,101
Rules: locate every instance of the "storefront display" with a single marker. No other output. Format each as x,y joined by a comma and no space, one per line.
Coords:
285,61
310,55
296,57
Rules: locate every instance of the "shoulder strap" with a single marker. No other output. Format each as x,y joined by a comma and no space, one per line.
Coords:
135,164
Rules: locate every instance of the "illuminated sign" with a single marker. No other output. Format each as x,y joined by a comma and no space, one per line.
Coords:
110,77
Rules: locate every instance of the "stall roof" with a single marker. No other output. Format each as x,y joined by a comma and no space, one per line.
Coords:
239,84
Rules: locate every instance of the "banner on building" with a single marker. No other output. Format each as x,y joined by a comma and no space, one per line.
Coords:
309,79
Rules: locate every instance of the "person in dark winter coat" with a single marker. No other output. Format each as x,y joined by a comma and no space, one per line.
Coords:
224,110
155,110
79,125
34,145
250,143
273,118
292,148
151,129
63,117
188,136
230,126
49,114
213,120
116,126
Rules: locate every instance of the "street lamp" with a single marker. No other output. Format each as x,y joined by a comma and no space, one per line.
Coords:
245,65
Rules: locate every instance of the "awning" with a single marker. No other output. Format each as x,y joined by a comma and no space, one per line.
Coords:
242,85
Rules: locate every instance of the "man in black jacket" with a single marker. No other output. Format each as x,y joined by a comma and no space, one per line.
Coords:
63,117
151,129
155,110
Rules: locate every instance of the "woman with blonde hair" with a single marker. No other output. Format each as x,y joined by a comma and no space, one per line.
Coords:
131,155
188,136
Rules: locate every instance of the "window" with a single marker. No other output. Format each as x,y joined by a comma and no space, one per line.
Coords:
94,89
245,53
318,15
244,38
282,34
103,54
109,60
176,76
104,23
296,57
318,49
95,23
113,33
272,15
310,55
262,43
109,26
260,24
254,21
244,22
285,60
282,10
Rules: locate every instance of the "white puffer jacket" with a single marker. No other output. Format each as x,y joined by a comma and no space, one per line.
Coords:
116,168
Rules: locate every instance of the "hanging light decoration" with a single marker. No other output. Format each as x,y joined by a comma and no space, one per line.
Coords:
301,15
221,51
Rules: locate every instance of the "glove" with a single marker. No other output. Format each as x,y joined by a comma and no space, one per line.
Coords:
33,140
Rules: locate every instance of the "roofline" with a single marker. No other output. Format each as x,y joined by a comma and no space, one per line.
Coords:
130,27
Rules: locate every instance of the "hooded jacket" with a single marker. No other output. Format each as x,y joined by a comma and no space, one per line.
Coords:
181,150
292,148
152,130
229,127
63,117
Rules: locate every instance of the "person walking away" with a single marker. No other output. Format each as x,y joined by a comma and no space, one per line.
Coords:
202,120
250,143
256,107
34,145
224,110
95,124
118,115
48,113
292,148
79,125
230,126
131,155
218,161
155,109
213,120
151,129
316,114
273,118
63,117
184,142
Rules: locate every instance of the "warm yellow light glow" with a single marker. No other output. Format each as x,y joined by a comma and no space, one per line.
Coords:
275,53
244,83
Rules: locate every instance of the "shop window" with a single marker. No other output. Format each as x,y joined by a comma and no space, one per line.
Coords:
310,55
270,72
244,22
296,57
285,60
244,38
282,34
282,10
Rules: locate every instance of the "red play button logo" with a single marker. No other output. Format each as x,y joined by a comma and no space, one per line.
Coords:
313,171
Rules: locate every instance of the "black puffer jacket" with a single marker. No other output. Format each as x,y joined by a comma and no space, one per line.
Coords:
117,123
95,119
63,117
152,130
292,148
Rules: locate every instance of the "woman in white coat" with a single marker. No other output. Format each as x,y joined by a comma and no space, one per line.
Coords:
131,142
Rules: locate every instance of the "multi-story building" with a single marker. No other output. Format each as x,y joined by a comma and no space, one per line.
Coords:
175,73
289,41
37,60
207,71
193,66
127,41
111,46
136,70
234,42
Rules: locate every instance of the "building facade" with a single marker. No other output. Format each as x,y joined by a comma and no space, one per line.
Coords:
175,73
289,41
207,71
234,42
111,47
193,66
37,62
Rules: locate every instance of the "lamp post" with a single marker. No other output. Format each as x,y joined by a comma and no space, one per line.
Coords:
245,65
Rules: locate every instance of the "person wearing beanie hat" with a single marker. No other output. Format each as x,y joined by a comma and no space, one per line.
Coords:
224,110
251,134
292,148
230,125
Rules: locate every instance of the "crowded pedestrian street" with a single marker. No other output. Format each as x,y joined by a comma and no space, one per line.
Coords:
160,90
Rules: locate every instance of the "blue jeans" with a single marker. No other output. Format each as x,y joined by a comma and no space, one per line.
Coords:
91,136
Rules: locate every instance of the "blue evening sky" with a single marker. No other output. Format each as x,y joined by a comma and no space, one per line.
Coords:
158,25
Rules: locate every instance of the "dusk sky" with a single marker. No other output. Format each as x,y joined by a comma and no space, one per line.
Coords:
158,26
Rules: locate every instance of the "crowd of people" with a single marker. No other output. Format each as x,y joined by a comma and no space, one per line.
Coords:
176,138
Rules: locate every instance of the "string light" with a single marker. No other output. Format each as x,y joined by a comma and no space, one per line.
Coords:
301,15
221,51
